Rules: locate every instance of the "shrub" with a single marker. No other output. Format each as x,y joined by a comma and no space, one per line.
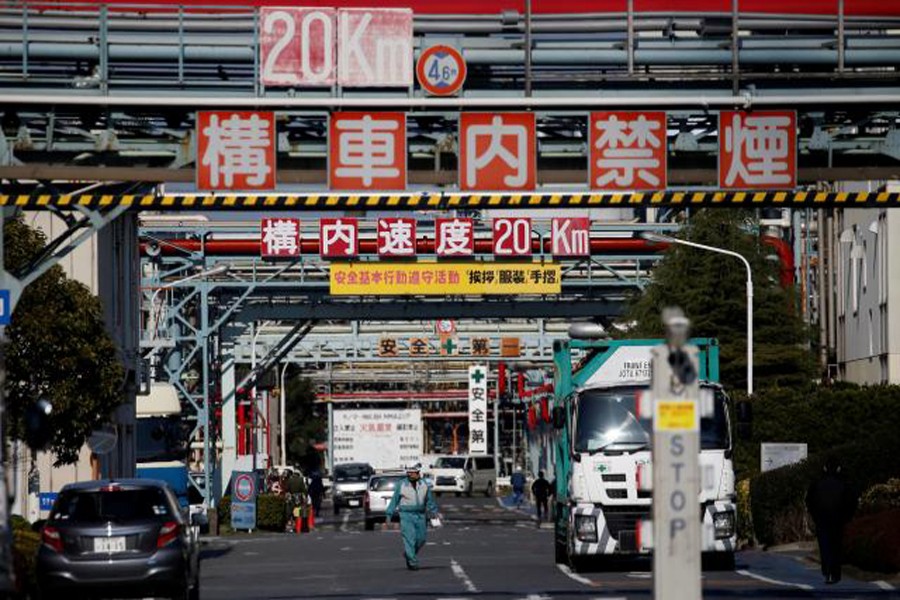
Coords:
223,508
777,498
744,516
881,497
872,542
25,548
271,512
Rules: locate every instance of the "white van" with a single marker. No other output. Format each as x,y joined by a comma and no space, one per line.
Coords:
463,474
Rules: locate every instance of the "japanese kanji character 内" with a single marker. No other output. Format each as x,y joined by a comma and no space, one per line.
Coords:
236,150
280,237
338,237
497,151
757,150
628,150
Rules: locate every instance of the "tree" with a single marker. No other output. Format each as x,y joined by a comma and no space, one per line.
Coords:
304,422
59,350
710,288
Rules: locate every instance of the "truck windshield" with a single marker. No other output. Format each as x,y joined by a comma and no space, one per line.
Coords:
160,439
605,420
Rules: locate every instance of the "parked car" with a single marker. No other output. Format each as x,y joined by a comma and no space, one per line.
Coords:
378,495
463,474
118,538
349,486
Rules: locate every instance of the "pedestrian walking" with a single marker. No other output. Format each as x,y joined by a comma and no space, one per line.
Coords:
316,492
414,501
517,481
540,489
831,503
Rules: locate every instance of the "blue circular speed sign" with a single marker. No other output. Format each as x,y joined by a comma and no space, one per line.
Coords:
441,70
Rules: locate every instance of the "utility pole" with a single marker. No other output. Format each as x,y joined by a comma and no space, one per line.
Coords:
676,464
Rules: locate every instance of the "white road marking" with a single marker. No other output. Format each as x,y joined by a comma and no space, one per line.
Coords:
251,553
640,575
461,575
884,585
575,576
801,586
346,549
446,543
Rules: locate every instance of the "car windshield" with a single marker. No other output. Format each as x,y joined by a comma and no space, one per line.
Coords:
351,472
385,484
605,420
450,462
118,505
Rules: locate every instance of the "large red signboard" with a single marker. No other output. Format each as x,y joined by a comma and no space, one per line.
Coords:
757,150
628,151
235,150
497,151
512,236
367,151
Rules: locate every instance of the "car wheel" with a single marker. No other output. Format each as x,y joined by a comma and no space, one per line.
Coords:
370,525
183,592
458,494
337,509
469,491
195,591
489,489
439,494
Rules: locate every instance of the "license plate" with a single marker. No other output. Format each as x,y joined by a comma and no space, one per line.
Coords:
110,544
354,503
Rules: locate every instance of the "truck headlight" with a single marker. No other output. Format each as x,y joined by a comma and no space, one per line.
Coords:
723,524
586,528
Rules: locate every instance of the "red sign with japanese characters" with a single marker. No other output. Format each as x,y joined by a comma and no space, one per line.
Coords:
570,236
297,46
512,236
375,47
279,237
235,150
757,150
367,151
454,237
396,236
628,151
497,151
338,238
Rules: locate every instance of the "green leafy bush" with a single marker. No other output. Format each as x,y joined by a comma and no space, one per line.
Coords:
25,548
881,497
271,512
223,507
777,498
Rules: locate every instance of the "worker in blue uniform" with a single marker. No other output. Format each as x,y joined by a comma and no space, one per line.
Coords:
414,501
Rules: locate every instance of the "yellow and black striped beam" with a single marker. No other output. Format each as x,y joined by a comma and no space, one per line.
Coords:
439,201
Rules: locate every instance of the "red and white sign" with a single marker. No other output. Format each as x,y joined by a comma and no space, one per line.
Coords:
497,151
338,238
375,47
628,151
512,236
235,150
297,46
454,237
396,236
279,237
570,236
244,487
445,327
367,151
757,150
441,70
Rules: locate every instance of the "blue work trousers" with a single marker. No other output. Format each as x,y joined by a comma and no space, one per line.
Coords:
413,530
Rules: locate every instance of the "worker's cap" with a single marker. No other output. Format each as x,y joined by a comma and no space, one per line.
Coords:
414,468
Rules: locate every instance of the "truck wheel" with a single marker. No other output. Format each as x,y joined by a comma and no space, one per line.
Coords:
337,509
561,556
719,561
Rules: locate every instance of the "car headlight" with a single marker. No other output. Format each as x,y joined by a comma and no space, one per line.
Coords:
723,524
586,528
338,492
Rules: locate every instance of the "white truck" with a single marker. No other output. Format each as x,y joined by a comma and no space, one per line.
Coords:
602,446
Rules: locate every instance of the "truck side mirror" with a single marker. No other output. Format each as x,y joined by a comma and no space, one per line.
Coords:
559,417
744,419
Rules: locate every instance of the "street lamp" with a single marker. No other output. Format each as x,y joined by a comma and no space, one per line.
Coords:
219,269
665,239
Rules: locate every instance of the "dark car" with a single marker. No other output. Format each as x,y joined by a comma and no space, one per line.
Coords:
118,538
350,483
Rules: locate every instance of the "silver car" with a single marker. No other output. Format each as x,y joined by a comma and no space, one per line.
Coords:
125,538
350,482
378,496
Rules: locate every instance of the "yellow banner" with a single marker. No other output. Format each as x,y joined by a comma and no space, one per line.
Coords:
676,415
438,279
